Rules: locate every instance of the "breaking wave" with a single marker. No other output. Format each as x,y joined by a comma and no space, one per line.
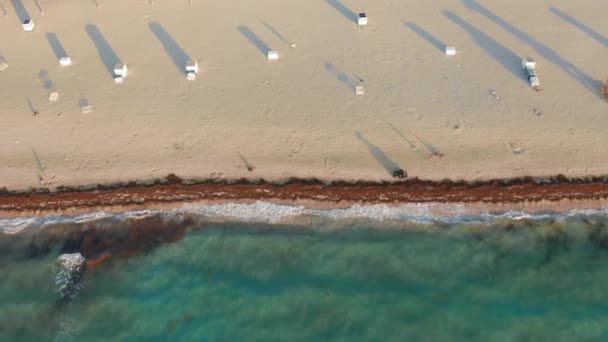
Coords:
261,211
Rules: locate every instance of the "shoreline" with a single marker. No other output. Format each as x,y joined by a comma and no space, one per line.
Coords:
530,194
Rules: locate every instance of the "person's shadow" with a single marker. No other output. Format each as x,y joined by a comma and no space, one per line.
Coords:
389,165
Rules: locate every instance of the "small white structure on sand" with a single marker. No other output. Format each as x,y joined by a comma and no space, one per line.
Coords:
362,19
359,90
54,96
65,61
86,109
191,70
28,25
192,65
120,72
3,65
273,55
450,50
529,65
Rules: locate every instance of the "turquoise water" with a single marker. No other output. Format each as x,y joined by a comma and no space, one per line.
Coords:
524,280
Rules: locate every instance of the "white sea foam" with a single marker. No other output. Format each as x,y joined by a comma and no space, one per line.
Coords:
261,211
17,224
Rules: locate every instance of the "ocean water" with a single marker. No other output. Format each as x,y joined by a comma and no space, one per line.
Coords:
263,272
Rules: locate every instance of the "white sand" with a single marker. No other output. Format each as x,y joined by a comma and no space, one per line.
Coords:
298,116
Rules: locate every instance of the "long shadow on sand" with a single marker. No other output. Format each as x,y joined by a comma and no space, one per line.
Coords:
56,45
546,52
254,39
105,51
22,13
340,75
178,55
275,32
30,105
410,144
574,22
507,58
345,11
425,35
389,165
46,82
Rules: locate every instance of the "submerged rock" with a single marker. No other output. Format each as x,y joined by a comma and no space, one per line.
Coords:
68,277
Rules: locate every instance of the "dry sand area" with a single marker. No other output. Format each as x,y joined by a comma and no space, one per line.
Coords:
299,116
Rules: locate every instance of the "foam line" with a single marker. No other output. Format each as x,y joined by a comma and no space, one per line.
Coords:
261,211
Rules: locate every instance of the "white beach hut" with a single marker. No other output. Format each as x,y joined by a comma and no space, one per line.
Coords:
362,19
529,65
192,65
3,64
450,50
359,90
54,96
191,70
120,72
65,61
120,69
28,25
273,55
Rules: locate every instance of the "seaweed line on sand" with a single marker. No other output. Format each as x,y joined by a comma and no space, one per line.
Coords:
175,189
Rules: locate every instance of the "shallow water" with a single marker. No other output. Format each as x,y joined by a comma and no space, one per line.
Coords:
505,280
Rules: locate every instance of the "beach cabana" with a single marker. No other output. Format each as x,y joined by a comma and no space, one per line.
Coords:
273,55
192,66
529,65
120,72
3,65
359,90
191,70
450,50
362,19
120,69
54,96
65,61
28,25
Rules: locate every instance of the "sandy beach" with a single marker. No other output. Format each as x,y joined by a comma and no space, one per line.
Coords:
299,116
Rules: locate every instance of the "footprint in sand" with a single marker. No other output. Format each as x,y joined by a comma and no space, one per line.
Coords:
295,144
516,148
328,167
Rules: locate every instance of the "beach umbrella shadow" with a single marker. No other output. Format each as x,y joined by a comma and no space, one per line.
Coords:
275,32
578,24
